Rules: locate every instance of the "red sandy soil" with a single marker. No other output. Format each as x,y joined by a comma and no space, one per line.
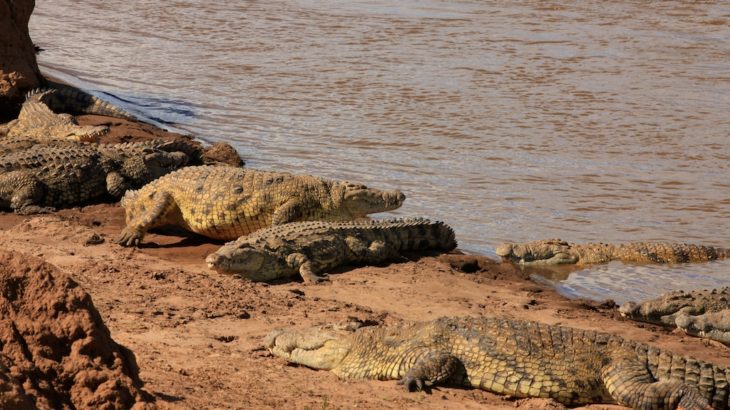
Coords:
197,334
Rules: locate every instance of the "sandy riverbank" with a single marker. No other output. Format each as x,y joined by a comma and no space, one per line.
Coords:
197,334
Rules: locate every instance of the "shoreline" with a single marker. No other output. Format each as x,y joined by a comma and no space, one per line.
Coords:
197,334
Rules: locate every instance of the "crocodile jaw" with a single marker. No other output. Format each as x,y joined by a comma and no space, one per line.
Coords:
363,201
317,347
248,263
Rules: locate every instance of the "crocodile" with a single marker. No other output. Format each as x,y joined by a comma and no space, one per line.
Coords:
224,203
703,312
558,252
48,177
37,120
310,247
512,357
72,100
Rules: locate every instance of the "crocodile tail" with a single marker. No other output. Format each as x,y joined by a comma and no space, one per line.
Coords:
712,381
447,238
75,101
429,234
38,94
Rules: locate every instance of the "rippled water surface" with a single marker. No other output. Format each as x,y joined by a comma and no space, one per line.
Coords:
583,120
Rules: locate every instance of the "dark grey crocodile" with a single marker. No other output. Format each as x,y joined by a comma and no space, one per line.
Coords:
312,247
43,178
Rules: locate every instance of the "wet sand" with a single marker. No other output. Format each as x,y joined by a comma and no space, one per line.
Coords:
197,334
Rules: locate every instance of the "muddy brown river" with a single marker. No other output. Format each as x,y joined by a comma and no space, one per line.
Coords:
584,120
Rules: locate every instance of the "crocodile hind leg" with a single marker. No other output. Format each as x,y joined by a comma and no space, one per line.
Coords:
433,368
373,253
116,185
288,212
630,384
23,193
146,218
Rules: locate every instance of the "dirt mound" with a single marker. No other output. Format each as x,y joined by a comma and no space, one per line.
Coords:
55,350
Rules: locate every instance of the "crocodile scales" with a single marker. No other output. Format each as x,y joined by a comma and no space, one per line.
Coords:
308,248
703,312
46,177
227,202
37,120
559,252
514,357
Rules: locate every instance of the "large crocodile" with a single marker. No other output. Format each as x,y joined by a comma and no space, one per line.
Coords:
518,358
704,313
558,252
227,202
37,120
312,247
46,177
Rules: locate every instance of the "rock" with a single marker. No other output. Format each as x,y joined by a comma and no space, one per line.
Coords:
222,153
55,351
18,66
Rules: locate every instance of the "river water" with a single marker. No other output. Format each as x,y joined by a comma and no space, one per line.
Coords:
584,120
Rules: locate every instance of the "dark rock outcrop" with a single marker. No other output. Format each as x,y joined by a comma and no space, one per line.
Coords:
18,66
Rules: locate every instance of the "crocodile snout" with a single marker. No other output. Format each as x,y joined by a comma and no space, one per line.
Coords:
215,261
394,198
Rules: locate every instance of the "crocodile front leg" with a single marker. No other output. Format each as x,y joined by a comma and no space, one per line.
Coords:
306,268
630,384
562,258
145,219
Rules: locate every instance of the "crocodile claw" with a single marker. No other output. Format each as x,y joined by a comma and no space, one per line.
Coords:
129,238
413,384
315,279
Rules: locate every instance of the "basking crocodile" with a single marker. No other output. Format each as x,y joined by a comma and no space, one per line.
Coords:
37,120
227,202
69,99
46,177
194,151
308,248
557,252
518,358
703,313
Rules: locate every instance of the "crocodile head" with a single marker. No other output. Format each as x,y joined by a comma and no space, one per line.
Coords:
544,252
359,201
81,133
321,347
252,263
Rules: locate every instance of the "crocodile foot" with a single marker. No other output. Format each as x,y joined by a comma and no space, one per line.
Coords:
34,209
414,384
129,237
